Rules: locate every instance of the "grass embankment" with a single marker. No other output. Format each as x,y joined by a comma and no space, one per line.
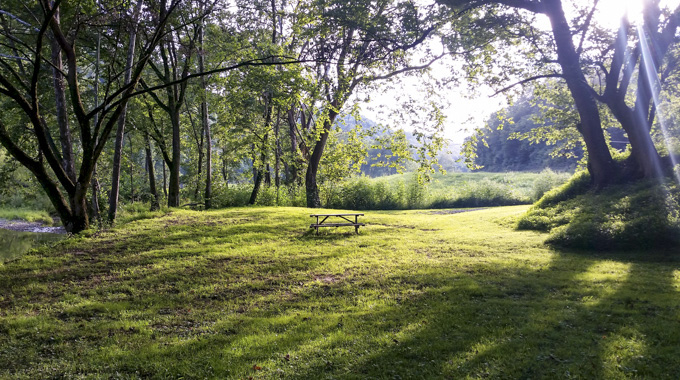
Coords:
37,216
254,293
640,215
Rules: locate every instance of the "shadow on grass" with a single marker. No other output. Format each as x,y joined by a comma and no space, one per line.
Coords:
167,310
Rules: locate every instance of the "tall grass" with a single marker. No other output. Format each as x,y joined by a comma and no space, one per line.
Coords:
402,192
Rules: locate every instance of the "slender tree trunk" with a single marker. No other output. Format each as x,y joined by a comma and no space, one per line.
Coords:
132,170
165,180
68,159
199,137
260,172
277,156
96,212
155,201
311,187
225,174
120,131
174,186
206,123
600,163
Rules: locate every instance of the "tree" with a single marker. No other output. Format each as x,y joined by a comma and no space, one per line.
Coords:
22,72
559,56
356,43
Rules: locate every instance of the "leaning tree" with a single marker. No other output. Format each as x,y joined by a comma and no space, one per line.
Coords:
595,64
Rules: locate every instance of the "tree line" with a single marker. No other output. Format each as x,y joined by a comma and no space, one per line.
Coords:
209,87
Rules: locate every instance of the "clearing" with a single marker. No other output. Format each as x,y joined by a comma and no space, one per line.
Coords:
252,292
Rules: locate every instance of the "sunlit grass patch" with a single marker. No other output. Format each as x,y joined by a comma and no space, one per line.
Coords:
29,215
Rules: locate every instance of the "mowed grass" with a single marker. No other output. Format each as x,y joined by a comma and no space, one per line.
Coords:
253,293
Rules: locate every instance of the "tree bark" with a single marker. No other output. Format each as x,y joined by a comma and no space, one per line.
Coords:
68,159
205,122
120,131
174,165
155,201
260,171
311,187
600,162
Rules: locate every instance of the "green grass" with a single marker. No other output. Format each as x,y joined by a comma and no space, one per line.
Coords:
253,292
641,215
39,216
480,189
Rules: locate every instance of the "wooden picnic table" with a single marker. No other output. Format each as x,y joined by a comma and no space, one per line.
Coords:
346,217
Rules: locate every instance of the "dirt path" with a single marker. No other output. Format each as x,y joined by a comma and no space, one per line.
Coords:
23,226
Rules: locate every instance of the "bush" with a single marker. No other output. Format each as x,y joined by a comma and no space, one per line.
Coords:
230,196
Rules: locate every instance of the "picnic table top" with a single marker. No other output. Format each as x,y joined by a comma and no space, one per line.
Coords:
354,214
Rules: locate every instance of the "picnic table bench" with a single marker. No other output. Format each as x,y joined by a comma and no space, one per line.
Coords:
347,222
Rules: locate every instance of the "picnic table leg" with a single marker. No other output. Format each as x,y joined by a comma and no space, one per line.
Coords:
356,222
317,225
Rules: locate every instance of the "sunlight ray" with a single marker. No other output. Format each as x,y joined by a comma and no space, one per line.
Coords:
655,86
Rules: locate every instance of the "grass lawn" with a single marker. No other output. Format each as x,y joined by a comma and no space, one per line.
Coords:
252,292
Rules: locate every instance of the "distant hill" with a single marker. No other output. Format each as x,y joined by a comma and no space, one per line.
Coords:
504,154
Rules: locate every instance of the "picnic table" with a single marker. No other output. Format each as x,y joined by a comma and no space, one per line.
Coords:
347,222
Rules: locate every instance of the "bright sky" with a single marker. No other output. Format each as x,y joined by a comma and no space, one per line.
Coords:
465,111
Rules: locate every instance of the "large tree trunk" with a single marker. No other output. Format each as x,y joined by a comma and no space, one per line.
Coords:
600,163
120,131
643,152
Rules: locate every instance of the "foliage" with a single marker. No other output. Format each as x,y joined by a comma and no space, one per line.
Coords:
254,293
640,216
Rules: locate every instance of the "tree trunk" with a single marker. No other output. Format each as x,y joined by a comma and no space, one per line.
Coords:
277,156
600,163
165,180
259,172
120,131
643,152
206,124
132,170
94,183
311,187
68,160
174,166
155,201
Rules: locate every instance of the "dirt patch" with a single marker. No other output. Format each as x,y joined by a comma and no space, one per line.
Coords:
449,212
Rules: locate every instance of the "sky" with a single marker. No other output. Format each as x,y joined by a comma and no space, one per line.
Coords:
466,111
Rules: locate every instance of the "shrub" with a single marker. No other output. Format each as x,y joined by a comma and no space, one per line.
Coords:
230,196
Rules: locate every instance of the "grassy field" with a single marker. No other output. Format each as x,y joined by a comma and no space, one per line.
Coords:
39,216
468,189
253,293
